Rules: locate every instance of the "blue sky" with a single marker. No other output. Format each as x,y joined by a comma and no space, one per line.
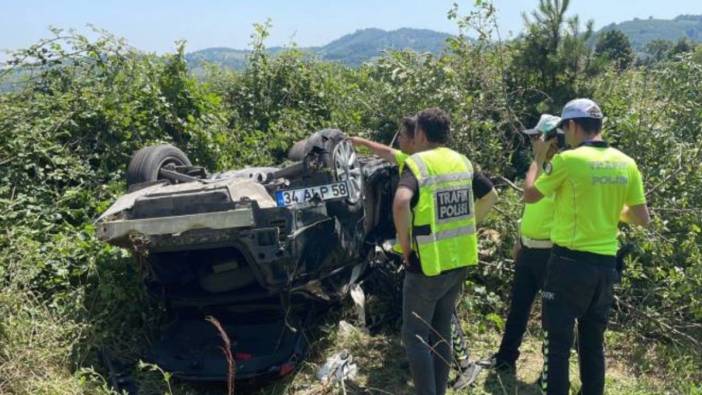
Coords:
154,25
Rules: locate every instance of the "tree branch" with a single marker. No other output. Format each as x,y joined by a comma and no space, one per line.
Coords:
511,184
662,324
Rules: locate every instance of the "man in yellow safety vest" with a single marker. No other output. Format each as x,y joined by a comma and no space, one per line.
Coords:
595,187
483,191
531,252
435,220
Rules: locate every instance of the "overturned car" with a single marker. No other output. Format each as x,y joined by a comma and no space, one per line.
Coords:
263,250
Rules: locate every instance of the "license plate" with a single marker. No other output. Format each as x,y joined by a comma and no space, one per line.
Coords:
305,195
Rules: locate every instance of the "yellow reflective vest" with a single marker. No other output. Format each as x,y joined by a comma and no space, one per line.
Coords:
443,224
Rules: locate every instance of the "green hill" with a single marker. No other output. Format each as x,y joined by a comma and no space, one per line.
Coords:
643,31
363,45
352,49
232,58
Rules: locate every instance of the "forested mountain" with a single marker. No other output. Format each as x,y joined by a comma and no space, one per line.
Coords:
643,31
233,58
352,49
365,44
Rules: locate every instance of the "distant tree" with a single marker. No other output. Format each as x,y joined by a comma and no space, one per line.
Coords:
614,46
549,18
683,45
552,58
658,49
697,56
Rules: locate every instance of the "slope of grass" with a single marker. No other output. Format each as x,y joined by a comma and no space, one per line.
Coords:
39,340
632,367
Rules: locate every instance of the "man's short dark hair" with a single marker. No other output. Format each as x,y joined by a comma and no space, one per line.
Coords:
435,123
407,126
589,125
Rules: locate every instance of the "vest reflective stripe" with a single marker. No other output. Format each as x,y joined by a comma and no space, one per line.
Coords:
446,178
446,234
423,172
443,219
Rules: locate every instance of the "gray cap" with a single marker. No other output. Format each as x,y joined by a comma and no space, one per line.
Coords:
581,108
546,123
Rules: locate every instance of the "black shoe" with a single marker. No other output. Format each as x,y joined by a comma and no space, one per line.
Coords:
466,376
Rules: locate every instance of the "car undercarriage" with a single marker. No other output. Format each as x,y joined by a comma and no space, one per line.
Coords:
263,250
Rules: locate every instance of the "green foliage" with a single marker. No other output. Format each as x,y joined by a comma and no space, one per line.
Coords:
662,50
655,114
658,49
67,133
369,44
614,46
552,62
682,46
65,139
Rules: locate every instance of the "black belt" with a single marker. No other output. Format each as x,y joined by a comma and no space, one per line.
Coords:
608,261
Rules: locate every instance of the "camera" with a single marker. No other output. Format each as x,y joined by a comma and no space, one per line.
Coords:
560,137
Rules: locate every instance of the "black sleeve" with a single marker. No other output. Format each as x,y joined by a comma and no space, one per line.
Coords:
481,185
408,180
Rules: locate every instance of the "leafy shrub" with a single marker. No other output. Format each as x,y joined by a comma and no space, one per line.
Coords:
67,131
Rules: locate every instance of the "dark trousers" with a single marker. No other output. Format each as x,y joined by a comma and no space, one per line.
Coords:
427,307
578,287
530,268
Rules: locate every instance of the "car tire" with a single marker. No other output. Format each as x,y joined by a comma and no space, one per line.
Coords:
145,164
330,143
335,145
298,151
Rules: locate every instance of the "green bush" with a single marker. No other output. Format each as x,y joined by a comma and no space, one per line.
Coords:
654,115
67,132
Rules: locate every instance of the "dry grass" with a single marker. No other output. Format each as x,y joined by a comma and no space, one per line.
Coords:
38,345
36,350
383,368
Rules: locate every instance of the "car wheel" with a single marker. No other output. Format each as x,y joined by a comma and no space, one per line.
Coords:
298,151
145,164
339,156
347,168
343,162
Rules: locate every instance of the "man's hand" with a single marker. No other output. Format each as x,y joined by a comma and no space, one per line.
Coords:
636,215
531,194
406,259
382,150
542,149
543,152
358,141
552,151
